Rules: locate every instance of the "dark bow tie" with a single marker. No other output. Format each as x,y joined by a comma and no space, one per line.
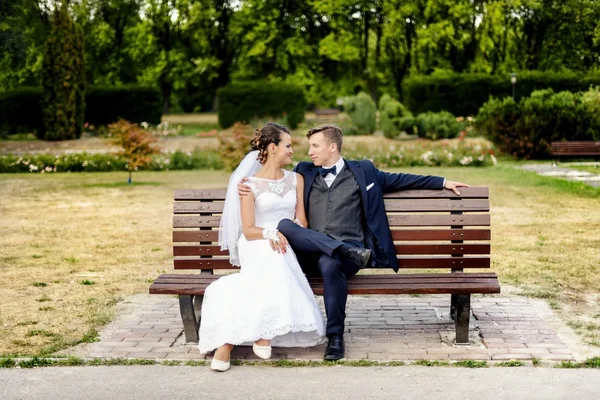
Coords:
325,171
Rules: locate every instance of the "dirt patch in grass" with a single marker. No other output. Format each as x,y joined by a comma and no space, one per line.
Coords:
73,245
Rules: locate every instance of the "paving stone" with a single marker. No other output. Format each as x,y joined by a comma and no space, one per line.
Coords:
184,356
471,356
148,355
511,356
386,329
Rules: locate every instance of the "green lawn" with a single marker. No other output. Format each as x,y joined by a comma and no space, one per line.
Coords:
74,245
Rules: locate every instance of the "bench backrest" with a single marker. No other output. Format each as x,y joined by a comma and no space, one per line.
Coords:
431,228
575,148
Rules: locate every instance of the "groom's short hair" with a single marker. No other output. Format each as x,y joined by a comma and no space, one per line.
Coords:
332,133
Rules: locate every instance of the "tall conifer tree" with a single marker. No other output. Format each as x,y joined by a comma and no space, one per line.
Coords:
63,78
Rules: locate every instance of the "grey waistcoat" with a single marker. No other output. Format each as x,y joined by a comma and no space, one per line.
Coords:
336,211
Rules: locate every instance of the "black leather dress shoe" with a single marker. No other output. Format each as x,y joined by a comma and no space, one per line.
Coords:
358,256
335,348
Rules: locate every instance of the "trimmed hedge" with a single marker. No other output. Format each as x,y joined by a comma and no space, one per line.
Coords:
464,94
243,101
525,129
105,105
21,111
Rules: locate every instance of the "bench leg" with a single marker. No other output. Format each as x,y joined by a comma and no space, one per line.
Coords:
188,316
453,306
463,313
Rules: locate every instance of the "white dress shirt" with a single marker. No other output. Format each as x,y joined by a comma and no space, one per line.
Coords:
329,178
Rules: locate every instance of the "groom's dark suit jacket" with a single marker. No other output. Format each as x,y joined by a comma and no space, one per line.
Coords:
373,183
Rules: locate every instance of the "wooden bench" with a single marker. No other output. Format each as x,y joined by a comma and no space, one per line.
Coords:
575,149
432,229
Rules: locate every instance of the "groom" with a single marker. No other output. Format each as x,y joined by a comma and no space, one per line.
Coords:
348,223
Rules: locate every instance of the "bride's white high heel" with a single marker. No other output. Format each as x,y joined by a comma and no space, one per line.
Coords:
220,366
263,352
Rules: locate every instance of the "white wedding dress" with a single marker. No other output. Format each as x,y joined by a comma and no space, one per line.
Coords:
270,297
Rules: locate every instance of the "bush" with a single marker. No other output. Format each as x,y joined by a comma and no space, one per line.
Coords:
363,113
527,128
105,105
430,125
245,101
234,144
138,145
391,115
21,111
63,79
464,94
434,126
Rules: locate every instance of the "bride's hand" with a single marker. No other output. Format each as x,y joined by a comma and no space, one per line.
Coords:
281,245
243,189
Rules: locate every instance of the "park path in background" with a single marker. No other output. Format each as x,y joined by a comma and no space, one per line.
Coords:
564,172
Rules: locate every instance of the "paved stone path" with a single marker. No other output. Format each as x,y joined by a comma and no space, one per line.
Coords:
382,328
551,169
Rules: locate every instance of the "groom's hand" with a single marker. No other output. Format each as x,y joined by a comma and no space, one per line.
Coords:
454,185
243,189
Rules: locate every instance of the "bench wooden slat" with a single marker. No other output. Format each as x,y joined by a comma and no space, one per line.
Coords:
397,234
403,262
408,289
460,248
441,234
392,280
465,193
195,236
470,192
398,205
450,283
443,262
439,220
195,221
360,276
209,263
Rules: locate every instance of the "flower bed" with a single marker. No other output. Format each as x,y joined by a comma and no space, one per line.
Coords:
445,153
384,153
86,162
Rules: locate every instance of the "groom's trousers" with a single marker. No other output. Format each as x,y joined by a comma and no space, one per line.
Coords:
317,254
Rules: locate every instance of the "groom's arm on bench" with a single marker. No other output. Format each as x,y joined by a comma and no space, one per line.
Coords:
392,182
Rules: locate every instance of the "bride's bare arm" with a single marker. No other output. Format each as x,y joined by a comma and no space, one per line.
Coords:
300,212
252,232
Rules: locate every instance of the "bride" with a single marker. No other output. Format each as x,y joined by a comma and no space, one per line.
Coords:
270,301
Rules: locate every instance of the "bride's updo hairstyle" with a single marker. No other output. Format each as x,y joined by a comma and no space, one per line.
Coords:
263,137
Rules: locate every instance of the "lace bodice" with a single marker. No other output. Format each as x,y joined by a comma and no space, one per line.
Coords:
274,200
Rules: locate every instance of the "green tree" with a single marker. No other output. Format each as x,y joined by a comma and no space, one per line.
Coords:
63,79
24,25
